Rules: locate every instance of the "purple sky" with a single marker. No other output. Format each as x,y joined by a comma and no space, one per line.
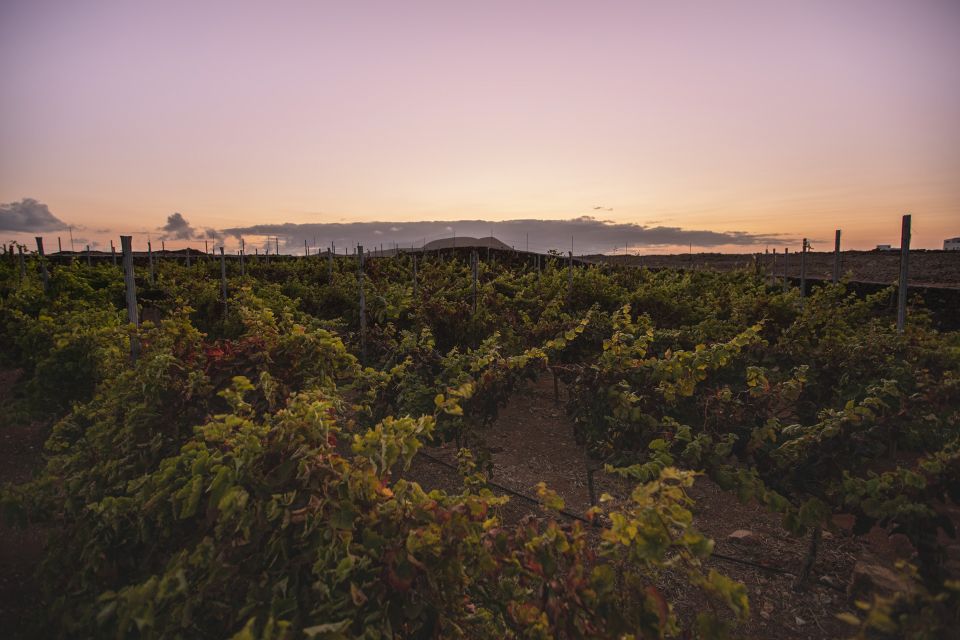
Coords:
766,117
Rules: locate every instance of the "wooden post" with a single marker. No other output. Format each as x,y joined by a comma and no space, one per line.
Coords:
163,246
786,259
44,275
556,386
23,263
803,270
570,280
414,275
223,281
150,258
474,260
363,307
277,238
188,257
773,268
330,263
89,262
113,253
130,282
243,260
306,250
59,245
836,257
904,274
590,488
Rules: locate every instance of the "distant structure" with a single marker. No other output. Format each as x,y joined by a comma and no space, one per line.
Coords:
462,242
951,244
884,247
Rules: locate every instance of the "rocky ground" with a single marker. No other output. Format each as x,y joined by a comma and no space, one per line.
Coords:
532,440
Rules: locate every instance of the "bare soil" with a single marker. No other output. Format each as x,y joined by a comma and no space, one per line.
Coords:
21,548
532,440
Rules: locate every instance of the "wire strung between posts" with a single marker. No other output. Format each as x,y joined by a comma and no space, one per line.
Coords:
512,492
575,516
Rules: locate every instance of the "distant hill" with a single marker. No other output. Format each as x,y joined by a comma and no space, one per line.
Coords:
466,241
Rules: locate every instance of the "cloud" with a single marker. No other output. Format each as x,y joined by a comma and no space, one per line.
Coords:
81,243
177,228
28,215
590,234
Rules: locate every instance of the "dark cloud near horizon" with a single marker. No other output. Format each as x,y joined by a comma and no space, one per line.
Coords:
590,234
28,215
177,228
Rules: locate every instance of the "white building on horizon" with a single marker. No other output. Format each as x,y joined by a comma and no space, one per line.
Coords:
951,244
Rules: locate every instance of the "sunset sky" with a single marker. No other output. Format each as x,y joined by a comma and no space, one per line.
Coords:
762,122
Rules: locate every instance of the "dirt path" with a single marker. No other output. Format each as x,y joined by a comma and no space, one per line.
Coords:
21,548
532,440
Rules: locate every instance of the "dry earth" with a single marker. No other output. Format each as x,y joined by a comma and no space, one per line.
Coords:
532,440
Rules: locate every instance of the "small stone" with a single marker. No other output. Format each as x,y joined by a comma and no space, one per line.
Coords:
870,577
766,610
830,581
800,621
741,536
902,546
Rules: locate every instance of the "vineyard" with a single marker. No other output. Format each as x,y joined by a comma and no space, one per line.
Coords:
333,448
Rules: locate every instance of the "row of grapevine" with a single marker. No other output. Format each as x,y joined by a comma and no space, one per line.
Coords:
241,477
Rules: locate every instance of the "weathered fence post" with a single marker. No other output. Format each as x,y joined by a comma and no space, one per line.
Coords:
23,263
188,257
363,307
113,253
223,281
89,259
414,275
45,276
130,282
786,259
474,260
306,251
904,274
150,259
773,268
803,270
836,257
